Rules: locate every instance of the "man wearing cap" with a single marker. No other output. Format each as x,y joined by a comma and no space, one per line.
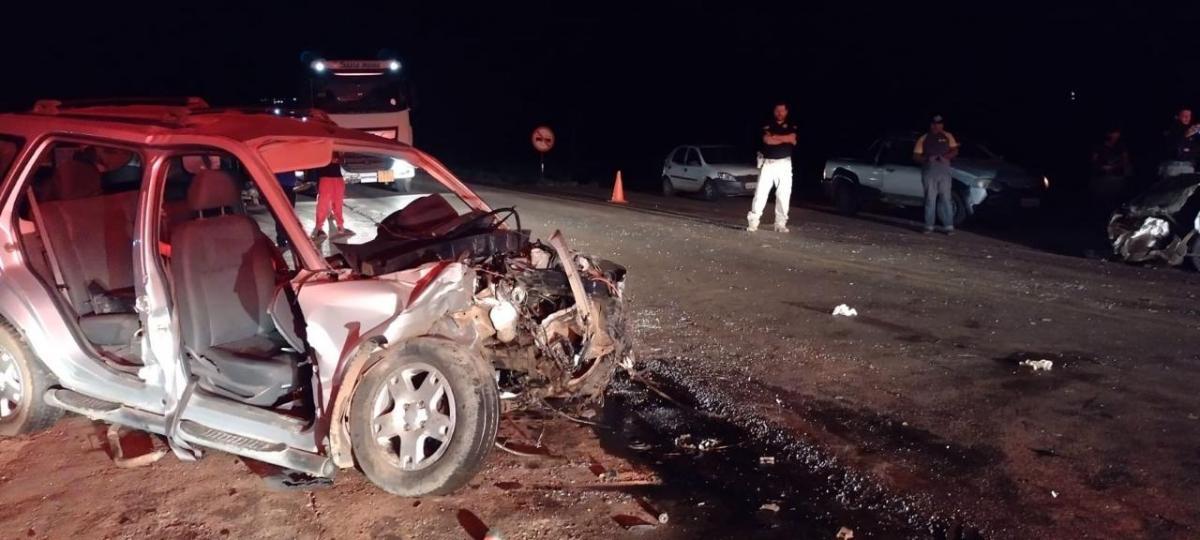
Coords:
775,172
934,151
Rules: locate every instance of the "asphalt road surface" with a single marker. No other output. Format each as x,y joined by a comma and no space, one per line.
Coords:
758,413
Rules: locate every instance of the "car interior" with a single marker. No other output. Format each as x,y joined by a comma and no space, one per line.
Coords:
84,206
77,222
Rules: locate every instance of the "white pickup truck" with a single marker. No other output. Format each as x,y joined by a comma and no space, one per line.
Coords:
887,173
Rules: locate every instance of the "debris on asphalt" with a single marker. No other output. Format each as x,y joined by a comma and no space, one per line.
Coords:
769,507
1039,365
688,442
522,450
475,528
1054,494
654,512
845,311
766,460
131,448
639,446
844,533
278,478
605,474
633,523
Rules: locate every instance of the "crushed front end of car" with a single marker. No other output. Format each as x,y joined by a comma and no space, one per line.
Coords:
1158,225
550,320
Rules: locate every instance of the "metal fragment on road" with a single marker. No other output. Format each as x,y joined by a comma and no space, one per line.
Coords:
844,311
844,533
1038,365
633,523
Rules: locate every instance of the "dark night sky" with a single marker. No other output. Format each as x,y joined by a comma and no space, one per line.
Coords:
623,82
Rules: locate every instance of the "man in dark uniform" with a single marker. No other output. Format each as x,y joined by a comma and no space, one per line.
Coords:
775,171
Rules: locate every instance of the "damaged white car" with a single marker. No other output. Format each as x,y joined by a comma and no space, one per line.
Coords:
136,290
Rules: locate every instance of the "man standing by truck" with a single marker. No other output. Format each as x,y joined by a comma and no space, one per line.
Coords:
775,170
934,151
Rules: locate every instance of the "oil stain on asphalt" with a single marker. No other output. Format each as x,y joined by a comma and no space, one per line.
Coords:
726,479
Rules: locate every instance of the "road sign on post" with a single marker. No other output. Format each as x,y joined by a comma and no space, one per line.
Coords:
543,141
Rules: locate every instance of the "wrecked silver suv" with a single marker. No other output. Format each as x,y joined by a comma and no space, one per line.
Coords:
135,289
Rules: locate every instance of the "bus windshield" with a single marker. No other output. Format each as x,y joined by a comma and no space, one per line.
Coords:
359,93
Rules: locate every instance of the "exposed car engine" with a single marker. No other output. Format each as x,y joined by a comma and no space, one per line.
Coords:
527,317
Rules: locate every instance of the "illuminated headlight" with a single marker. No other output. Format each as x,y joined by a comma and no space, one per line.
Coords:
726,176
394,65
318,66
983,183
278,111
1046,182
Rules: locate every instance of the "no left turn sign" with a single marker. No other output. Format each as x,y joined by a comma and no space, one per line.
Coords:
543,139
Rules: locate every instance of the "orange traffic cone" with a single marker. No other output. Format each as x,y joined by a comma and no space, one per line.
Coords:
618,195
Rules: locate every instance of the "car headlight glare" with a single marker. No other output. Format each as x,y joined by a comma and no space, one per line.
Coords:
1046,182
726,176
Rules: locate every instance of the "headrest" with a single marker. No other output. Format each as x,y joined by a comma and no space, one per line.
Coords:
74,180
212,189
195,164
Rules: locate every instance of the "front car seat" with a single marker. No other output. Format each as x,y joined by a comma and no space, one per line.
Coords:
224,282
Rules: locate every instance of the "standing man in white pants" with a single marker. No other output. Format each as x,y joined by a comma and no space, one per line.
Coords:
779,139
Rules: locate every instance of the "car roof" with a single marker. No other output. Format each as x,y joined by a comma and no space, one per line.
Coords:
155,124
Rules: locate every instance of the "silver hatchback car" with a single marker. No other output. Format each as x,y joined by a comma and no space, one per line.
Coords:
135,289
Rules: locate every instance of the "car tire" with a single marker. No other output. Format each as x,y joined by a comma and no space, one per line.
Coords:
845,198
463,400
668,189
23,383
708,191
961,211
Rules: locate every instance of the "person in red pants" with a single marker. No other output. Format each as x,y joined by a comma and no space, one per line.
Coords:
331,191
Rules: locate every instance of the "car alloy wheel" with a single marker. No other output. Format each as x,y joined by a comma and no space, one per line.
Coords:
413,416
11,385
423,417
23,383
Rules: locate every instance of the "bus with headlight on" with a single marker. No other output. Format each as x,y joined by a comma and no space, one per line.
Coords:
370,95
